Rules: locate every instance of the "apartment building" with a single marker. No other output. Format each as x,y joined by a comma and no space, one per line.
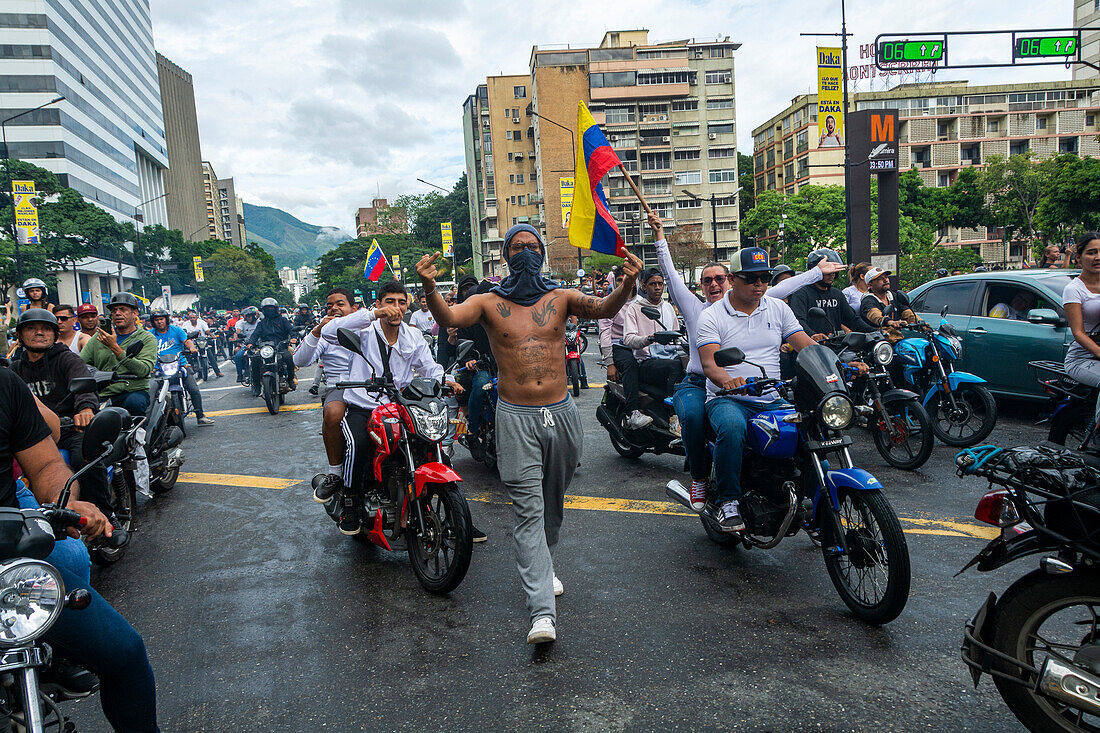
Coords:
380,218
224,212
667,109
944,127
1086,14
183,180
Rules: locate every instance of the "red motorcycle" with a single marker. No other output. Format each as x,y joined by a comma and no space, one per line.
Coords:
575,344
408,490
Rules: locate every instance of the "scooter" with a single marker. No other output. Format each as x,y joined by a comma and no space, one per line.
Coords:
797,474
1040,641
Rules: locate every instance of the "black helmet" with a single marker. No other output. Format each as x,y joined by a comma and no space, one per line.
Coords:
159,313
779,270
124,299
942,272
36,315
34,282
818,255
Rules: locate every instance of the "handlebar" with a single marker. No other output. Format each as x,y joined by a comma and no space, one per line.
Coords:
754,386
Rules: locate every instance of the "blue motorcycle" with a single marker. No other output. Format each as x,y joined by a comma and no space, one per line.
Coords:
798,474
962,409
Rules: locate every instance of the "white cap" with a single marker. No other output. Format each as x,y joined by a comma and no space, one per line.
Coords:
875,272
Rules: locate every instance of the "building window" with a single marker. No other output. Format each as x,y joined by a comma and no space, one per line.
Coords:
991,126
681,130
723,175
618,115
1067,145
1041,123
1090,119
720,128
664,77
519,92
719,77
722,153
519,178
719,104
686,178
521,200
685,105
717,52
507,134
511,178
613,79
656,161
688,203
510,156
686,155
945,180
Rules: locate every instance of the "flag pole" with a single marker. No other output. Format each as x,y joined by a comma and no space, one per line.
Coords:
636,191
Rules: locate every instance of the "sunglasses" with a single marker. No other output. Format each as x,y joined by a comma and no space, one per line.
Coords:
63,318
717,279
753,278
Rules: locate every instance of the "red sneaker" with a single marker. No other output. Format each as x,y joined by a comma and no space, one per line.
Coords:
698,495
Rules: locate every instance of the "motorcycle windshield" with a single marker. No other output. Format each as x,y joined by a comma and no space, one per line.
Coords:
818,372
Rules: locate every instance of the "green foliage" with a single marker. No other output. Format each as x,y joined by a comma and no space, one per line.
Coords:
426,211
815,218
1014,187
1070,204
747,181
343,266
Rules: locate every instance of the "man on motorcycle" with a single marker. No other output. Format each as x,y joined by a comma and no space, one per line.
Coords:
758,324
480,367
690,395
88,318
303,318
47,366
194,326
640,359
336,361
880,296
423,318
524,317
240,333
838,313
173,340
611,333
35,290
107,352
97,638
278,328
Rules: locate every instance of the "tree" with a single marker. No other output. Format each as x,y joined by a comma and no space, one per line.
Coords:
1070,203
815,218
747,181
426,211
688,249
1013,188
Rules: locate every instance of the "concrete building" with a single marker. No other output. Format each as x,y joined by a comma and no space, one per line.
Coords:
944,127
300,281
668,111
225,220
380,218
183,180
1086,14
239,205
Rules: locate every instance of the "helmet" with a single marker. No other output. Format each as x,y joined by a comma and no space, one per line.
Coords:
269,301
34,282
124,299
250,311
780,270
159,313
941,272
36,315
303,306
818,255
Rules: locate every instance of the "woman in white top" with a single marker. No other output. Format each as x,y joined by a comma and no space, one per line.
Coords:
1081,300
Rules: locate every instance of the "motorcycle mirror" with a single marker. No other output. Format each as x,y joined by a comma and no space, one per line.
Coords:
651,313
729,357
816,312
347,338
102,432
943,312
134,349
82,384
464,348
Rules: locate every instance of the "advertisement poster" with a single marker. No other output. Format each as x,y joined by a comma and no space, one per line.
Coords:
830,98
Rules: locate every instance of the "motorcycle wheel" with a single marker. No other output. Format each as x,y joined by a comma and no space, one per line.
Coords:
1035,620
974,421
179,411
873,578
441,555
271,393
204,367
913,444
625,449
575,377
123,500
1070,427
165,482
582,343
489,444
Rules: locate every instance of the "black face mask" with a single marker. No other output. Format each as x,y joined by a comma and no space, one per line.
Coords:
525,285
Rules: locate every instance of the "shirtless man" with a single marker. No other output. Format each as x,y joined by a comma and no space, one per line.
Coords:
525,319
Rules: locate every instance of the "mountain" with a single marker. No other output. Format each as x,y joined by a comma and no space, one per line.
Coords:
290,241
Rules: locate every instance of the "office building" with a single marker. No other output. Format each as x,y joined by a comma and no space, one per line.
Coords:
299,281
225,220
944,127
668,111
1086,14
183,180
380,218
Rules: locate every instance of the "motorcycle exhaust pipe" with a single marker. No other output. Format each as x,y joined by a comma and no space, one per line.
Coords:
173,437
676,491
605,419
1071,685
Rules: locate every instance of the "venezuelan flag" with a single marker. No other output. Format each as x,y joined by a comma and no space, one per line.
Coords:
376,262
591,225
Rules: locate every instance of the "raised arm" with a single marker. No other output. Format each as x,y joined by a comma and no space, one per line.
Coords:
589,306
461,315
677,290
791,284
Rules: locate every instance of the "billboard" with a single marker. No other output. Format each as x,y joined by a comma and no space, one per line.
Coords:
565,189
26,215
830,98
447,236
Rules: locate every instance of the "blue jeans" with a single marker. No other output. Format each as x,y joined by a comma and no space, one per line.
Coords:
239,362
729,418
101,640
135,403
689,399
477,399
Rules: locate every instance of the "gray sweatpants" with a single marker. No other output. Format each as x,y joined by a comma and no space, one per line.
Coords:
1085,368
537,459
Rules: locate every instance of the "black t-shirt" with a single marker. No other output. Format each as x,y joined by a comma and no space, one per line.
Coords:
21,426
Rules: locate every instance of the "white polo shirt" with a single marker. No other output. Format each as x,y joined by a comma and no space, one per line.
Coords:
759,334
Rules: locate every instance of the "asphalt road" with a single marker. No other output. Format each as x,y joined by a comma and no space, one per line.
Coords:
259,616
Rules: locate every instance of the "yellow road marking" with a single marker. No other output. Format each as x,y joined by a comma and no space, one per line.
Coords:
231,479
258,410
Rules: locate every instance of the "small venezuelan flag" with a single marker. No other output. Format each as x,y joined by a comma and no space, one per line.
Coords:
376,262
591,225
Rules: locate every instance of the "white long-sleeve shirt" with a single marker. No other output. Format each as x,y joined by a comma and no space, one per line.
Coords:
334,358
637,327
408,357
691,308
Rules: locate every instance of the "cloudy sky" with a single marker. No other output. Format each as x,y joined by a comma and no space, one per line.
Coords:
315,106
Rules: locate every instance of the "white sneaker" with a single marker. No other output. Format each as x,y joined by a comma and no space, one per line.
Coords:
558,587
636,421
542,631
731,518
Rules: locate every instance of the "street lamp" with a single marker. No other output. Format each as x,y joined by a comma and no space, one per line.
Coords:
713,212
7,171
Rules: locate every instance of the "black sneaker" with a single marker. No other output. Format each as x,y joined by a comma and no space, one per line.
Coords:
349,522
478,535
474,444
325,485
313,390
65,680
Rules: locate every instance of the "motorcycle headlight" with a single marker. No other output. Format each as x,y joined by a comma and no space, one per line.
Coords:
32,595
956,344
432,425
169,369
836,412
267,352
883,352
